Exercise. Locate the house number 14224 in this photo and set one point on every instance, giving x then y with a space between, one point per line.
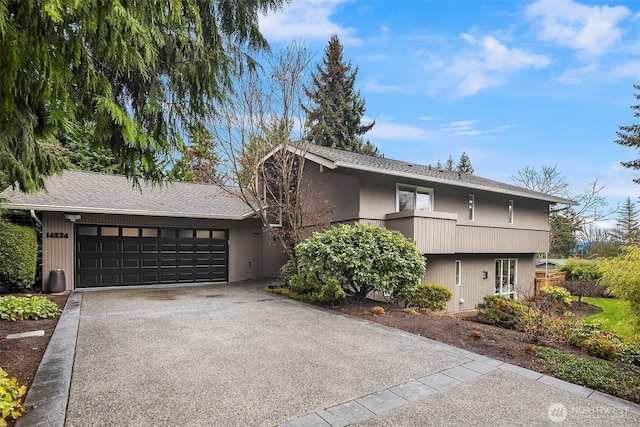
58 235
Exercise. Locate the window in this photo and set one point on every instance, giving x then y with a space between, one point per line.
149 232
458 273
506 277
110 231
273 200
414 198
87 231
130 232
202 234
510 211
471 206
185 234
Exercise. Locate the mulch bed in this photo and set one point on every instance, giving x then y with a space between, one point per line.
465 331
21 356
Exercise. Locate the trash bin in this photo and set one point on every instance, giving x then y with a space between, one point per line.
57 282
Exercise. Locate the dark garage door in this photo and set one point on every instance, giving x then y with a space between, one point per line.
120 256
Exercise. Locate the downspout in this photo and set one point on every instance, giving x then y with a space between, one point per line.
35 217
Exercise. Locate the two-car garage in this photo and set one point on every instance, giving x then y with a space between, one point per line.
108 255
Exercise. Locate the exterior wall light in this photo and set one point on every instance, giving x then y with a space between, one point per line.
485 274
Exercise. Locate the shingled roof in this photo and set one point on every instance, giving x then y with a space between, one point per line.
90 192
334 158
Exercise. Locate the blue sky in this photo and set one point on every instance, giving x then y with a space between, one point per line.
511 83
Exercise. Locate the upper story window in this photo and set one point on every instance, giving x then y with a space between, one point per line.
510 211
273 200
471 207
414 198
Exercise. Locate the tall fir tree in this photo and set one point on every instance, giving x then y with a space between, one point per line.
140 72
464 164
627 228
335 118
450 164
630 136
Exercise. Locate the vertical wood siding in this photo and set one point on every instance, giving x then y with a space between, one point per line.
475 239
57 252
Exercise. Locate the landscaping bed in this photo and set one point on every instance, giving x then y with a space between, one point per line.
21 356
464 331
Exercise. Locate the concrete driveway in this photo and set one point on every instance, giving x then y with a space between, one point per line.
232 355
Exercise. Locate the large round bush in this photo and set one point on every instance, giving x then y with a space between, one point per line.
363 258
18 255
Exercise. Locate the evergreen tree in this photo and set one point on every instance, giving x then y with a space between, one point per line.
199 161
464 164
630 136
140 72
336 115
627 228
450 164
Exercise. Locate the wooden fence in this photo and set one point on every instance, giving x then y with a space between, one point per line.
549 279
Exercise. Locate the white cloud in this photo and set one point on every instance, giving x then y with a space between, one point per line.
309 20
591 30
389 130
578 75
629 69
491 64
468 128
372 86
374 57
426 118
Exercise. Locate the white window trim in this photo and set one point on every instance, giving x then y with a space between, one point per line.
510 211
458 273
279 223
472 207
512 294
415 188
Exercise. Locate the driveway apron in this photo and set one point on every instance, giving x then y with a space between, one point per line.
233 355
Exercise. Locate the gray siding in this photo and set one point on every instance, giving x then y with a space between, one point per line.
473 287
57 253
60 253
475 239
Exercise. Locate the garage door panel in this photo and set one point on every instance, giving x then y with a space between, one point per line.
109 247
130 279
150 248
130 263
109 264
116 256
130 248
168 248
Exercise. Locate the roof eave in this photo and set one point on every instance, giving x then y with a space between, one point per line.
106 211
544 197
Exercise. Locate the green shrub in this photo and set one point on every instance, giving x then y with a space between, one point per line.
628 353
596 374
503 312
553 299
18 255
286 271
325 290
431 296
10 398
363 258
23 308
600 346
582 270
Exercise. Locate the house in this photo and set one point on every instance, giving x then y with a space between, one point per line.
102 231
479 236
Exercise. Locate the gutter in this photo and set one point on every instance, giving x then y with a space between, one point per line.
35 217
463 184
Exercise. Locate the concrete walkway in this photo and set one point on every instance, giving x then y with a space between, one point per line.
232 355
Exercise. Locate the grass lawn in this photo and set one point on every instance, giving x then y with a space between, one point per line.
615 315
